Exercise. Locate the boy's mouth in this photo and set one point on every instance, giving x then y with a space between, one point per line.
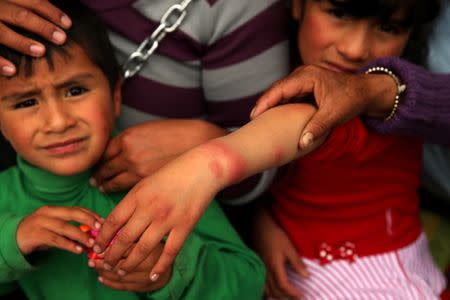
66 147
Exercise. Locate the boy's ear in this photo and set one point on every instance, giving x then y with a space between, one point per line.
296 9
117 97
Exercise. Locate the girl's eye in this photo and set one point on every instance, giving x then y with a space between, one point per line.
337 12
390 28
75 91
26 103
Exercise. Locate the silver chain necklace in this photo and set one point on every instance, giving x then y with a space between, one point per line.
139 57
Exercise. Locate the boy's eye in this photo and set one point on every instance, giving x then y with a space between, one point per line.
75 91
25 104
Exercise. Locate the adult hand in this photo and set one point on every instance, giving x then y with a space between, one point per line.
275 249
49 227
141 150
38 16
136 280
339 97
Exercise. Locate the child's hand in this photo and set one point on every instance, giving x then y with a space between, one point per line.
275 249
137 280
49 227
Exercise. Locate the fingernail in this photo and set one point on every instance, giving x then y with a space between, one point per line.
97 249
101 189
107 267
252 113
78 248
97 225
93 182
37 50
8 70
59 37
307 139
91 263
65 21
154 277
91 242
121 272
100 278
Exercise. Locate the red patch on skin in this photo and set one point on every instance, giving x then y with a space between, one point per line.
278 156
221 154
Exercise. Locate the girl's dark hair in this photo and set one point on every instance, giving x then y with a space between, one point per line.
87 31
419 15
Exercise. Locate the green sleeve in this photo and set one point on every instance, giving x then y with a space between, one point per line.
214 264
12 262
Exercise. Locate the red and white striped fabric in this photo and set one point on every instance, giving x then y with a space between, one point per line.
405 274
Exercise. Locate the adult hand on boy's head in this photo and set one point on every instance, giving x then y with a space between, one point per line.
141 150
38 16
339 97
136 280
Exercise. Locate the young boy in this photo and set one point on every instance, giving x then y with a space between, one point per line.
58 113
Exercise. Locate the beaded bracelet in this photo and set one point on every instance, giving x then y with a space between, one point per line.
400 87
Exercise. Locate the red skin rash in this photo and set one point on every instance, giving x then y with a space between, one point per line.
236 168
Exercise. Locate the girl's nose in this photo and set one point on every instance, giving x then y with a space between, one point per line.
354 44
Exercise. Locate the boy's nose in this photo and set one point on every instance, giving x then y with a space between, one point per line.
57 118
354 44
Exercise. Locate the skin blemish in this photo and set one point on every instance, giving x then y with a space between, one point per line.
226 164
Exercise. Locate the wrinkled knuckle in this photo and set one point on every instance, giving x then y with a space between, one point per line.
124 238
21 15
112 220
143 248
171 252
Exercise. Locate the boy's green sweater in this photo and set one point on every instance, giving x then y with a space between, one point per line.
213 264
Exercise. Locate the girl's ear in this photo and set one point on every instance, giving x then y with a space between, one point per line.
296 9
117 97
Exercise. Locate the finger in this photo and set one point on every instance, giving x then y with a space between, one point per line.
127 236
93 213
117 285
77 214
48 11
121 182
69 231
20 43
110 168
114 221
26 16
113 149
274 292
297 264
319 124
285 89
281 281
144 247
6 67
57 241
172 247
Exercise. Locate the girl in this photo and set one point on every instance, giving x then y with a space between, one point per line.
350 209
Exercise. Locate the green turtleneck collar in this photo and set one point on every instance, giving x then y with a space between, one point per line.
51 187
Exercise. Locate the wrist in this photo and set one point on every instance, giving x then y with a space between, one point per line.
383 90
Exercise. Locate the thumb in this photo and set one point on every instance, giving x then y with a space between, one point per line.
318 126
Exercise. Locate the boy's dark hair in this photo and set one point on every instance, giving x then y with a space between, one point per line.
419 15
87 31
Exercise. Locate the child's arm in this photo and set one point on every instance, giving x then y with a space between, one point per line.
173 199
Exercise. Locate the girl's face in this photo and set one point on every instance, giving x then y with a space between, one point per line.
331 39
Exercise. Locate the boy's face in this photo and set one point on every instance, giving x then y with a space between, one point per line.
59 120
338 42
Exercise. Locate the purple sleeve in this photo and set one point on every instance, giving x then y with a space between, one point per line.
424 111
